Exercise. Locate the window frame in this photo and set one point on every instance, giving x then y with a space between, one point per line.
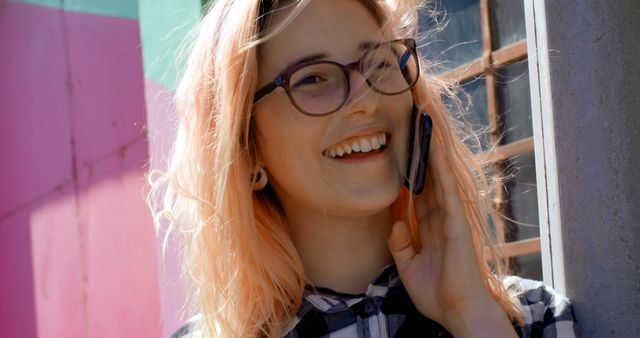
544 146
541 143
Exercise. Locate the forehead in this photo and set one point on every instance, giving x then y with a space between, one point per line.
333 27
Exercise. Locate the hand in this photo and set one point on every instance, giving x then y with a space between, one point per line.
443 279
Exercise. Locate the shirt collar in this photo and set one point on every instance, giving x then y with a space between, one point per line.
328 300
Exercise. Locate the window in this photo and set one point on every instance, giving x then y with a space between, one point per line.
483 47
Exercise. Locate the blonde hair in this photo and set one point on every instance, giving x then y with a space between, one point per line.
238 260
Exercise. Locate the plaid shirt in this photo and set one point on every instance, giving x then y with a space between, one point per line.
386 310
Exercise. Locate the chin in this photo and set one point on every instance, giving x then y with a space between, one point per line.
371 201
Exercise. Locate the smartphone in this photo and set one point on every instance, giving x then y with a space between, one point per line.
425 126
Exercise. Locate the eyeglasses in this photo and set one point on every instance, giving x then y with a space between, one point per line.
322 87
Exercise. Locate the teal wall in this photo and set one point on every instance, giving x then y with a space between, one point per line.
117 8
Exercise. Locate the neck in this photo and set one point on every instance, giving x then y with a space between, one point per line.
340 253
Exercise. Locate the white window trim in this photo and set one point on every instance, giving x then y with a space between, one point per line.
544 146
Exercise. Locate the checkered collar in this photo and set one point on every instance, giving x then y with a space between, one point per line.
329 301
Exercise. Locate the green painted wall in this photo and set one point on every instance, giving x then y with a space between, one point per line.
117 8
164 24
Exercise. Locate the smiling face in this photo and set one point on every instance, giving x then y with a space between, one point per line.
349 163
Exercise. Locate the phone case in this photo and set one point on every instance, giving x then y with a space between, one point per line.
426 125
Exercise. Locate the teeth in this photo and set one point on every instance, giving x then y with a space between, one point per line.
356 146
347 148
363 144
375 143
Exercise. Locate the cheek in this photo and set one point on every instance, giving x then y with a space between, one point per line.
288 157
284 144
271 142
402 111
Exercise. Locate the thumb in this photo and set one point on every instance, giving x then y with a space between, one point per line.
400 244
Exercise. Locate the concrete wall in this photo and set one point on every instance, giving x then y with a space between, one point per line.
594 59
77 249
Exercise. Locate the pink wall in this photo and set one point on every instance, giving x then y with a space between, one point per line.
77 248
161 121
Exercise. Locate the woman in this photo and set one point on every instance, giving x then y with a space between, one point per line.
287 184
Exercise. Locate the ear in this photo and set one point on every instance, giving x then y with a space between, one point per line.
259 178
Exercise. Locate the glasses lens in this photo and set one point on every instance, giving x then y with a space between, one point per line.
318 89
391 68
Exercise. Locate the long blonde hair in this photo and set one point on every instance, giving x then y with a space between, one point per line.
242 269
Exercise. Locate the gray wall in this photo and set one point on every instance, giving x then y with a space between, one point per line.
594 49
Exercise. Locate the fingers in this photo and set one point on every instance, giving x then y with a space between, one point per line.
436 155
445 185
400 244
447 196
432 196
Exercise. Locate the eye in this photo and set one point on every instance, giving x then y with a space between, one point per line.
380 60
379 67
307 80
382 64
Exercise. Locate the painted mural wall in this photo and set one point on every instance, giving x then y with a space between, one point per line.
78 253
86 90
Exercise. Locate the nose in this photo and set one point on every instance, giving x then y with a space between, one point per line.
361 97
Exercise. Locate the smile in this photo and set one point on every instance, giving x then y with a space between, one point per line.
361 144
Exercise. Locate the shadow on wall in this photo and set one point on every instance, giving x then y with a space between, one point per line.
77 248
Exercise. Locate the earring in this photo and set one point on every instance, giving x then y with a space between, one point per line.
259 179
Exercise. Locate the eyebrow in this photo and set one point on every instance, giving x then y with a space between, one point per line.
306 59
368 45
315 57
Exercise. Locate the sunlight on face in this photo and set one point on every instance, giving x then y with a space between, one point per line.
301 153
